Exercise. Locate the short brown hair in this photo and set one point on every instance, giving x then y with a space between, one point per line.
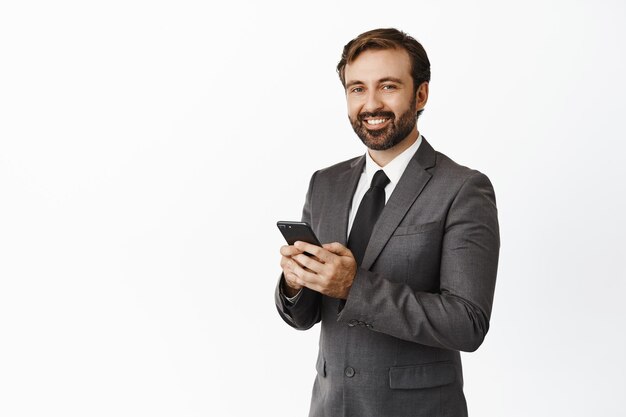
387 39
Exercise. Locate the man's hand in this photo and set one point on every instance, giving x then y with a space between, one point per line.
329 271
287 264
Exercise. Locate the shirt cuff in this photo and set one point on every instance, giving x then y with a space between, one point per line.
290 300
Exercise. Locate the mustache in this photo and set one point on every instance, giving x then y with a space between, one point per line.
378 114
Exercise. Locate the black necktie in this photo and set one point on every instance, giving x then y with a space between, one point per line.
366 216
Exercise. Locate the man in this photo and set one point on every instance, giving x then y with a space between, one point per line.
408 277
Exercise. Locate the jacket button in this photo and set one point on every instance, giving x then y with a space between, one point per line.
349 372
353 323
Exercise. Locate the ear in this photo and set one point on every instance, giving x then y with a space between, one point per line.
421 96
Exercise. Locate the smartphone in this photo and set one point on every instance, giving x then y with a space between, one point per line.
301 231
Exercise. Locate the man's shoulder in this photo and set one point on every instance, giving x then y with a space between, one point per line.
453 175
449 167
340 167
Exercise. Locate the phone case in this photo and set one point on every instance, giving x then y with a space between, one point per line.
293 231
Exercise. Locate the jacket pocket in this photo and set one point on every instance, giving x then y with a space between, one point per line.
416 228
429 375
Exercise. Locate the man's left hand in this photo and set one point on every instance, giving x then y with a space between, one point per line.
329 271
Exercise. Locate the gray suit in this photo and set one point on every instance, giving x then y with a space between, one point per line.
422 294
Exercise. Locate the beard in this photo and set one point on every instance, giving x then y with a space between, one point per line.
394 133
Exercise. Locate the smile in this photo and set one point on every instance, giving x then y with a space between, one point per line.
376 121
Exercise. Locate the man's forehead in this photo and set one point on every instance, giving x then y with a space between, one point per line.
378 64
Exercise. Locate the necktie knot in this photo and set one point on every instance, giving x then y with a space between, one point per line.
380 180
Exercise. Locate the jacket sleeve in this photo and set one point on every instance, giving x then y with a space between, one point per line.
457 316
306 310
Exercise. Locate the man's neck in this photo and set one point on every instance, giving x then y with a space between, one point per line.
382 158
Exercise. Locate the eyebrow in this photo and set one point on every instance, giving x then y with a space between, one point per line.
382 80
392 79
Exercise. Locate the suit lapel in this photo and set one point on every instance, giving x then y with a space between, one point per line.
409 187
344 186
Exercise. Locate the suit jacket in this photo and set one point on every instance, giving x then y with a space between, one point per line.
423 292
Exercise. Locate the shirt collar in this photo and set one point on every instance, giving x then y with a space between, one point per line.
396 167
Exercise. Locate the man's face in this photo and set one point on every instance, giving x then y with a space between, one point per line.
382 104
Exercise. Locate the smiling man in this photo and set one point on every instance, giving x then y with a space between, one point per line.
406 275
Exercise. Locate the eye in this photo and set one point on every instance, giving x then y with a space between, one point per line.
389 87
356 90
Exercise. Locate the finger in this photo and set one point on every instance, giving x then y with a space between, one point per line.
287 264
292 280
284 263
289 250
292 261
338 249
317 251
303 277
309 262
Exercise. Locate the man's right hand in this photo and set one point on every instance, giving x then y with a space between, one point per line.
287 264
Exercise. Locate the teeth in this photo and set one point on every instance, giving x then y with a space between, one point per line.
376 121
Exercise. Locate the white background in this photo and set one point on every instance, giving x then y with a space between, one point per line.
147 149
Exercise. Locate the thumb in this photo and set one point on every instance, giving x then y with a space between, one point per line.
337 248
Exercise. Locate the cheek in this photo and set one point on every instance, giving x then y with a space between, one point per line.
353 109
400 105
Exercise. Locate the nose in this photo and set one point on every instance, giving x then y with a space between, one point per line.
372 102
